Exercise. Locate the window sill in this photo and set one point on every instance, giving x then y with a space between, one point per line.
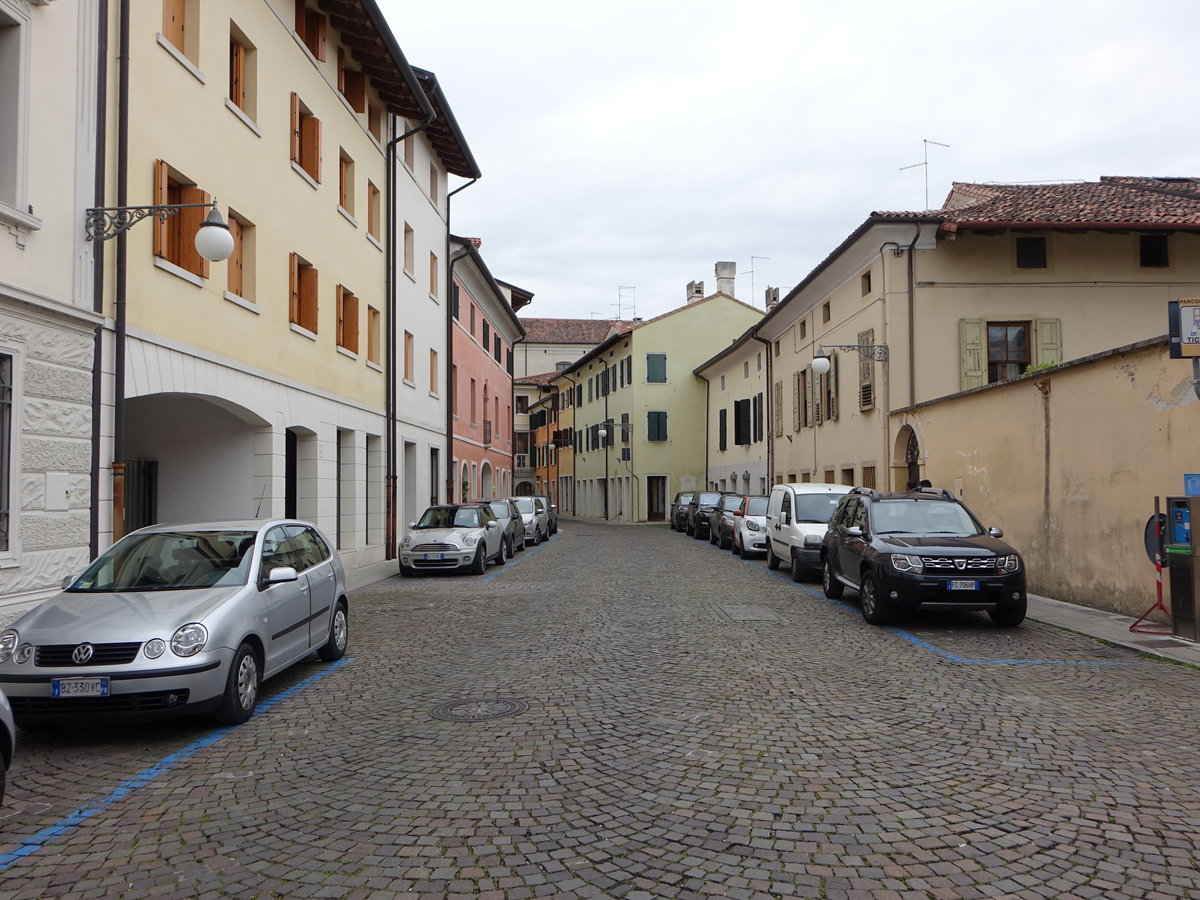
181 58
304 332
435 395
347 215
371 239
190 277
350 354
243 303
408 382
243 117
434 297
371 364
19 223
411 276
299 170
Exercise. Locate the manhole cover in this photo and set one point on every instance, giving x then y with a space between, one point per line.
478 709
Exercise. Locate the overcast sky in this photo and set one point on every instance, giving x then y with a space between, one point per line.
634 143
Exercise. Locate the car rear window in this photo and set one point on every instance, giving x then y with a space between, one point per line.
757 506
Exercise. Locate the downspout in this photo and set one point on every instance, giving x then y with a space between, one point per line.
770 412
887 376
390 479
98 275
451 399
707 396
119 335
573 415
912 311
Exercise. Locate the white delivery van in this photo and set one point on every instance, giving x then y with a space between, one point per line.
797 515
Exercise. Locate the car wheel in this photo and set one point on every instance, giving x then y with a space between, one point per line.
1009 616
339 634
736 547
873 609
712 535
501 559
407 571
798 570
241 688
479 563
832 587
773 561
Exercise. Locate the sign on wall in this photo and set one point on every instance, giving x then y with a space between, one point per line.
1183 326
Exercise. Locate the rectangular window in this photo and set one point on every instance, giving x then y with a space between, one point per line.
409 353
472 320
487 335
826 313
497 348
741 422
433 275
310 28
848 476
1153 250
372 210
1007 349
868 477
374 334
656 425
240 265
757 414
866 283
242 75
6 440
174 238
375 120
302 303
306 139
346 182
352 84
433 372
347 319
473 401
656 368
1031 253
410 253
804 329
434 181
722 428
522 403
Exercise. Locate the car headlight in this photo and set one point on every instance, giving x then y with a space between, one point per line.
752 526
904 563
155 648
471 539
189 640
24 653
1006 565
407 542
812 541
8 643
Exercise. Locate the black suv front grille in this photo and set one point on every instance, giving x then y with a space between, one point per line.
58 655
984 564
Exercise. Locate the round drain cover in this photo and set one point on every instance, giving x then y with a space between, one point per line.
478 709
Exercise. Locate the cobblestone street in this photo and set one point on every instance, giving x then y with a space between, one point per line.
648 717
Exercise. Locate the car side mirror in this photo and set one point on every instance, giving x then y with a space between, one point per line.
785 518
281 574
493 525
68 581
996 532
412 524
854 531
553 507
738 513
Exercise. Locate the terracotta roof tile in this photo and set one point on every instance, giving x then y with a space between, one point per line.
571 331
542 380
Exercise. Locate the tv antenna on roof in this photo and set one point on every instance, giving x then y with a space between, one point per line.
621 304
752 259
925 164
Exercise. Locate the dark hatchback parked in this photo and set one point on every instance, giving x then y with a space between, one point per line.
920 550
678 515
721 523
699 512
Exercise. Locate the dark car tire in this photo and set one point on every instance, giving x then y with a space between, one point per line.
339 634
773 561
735 547
241 688
831 586
479 563
1009 616
873 608
712 535
407 572
799 573
501 558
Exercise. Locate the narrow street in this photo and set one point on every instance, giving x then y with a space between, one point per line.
626 712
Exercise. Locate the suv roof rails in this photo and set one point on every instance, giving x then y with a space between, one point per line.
869 492
941 493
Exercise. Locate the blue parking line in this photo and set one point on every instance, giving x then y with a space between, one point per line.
513 561
67 823
946 654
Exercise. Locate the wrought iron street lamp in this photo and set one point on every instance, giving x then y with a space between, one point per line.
821 365
213 239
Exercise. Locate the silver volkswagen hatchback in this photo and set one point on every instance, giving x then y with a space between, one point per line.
176 620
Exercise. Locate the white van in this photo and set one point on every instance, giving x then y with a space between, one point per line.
797 515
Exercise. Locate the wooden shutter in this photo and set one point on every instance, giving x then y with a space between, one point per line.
832 384
341 321
161 190
295 127
971 351
815 393
866 371
237 73
356 90
294 289
722 428
190 220
301 18
236 284
796 401
310 146
308 298
173 23
1049 341
779 409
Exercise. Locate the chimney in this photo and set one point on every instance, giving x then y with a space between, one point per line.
695 291
726 275
772 298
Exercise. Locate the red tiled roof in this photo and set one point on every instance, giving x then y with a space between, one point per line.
542 380
1111 201
571 331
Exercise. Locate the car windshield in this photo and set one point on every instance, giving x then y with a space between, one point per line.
757 506
524 505
816 507
707 499
450 517
170 561
731 502
922 517
685 499
500 508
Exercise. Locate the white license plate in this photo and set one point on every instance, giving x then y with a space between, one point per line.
79 687
435 555
964 585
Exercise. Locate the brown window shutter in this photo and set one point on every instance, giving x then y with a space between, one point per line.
295 127
173 22
310 146
190 220
350 314
308 298
341 70
301 18
315 34
294 289
234 263
356 91
341 316
160 197
237 73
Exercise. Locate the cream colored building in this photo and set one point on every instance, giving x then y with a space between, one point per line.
1056 280
48 315
736 412
255 386
640 432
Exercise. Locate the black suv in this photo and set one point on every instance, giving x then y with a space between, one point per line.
699 512
923 549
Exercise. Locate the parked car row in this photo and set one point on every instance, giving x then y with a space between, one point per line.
921 549
468 536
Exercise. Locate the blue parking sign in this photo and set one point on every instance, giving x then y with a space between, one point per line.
1191 485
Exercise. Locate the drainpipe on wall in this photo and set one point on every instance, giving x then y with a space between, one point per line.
98 275
770 412
390 479
450 386
912 328
118 458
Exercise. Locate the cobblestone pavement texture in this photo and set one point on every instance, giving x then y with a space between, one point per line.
696 726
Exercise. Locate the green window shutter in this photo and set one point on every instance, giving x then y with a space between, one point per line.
656 368
795 401
812 411
971 352
833 386
1049 341
779 409
818 395
866 371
